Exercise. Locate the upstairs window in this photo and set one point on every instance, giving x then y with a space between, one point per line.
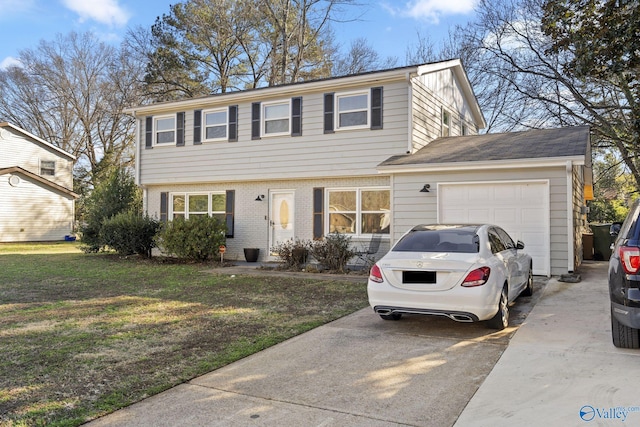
352 110
165 129
215 125
446 122
276 118
47 168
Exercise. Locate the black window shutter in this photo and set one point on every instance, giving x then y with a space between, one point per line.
148 132
318 213
180 129
229 212
296 116
197 127
328 113
255 120
376 108
164 203
233 123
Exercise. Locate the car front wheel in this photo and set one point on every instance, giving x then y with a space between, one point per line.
623 335
501 320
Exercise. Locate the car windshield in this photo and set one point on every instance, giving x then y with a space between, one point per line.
448 240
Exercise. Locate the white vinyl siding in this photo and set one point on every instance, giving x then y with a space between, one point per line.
314 154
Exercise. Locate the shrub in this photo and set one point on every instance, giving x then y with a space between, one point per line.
334 251
197 238
292 253
130 233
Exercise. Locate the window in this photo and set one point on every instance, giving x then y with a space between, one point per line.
359 211
276 118
47 168
352 110
464 130
446 121
215 125
186 205
496 243
165 129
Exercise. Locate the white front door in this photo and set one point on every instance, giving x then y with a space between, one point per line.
281 221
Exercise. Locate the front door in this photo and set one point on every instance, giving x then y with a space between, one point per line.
281 219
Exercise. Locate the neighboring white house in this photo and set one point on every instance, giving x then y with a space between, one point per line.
306 159
36 181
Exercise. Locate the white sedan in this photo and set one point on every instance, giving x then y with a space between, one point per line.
468 273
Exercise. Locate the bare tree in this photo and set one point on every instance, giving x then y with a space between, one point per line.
360 58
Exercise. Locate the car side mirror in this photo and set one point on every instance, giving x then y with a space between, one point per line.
520 245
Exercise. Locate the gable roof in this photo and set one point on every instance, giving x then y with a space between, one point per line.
569 143
37 140
33 176
329 83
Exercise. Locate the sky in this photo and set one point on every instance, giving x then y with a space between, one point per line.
390 26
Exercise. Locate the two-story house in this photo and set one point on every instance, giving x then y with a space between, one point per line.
36 182
306 159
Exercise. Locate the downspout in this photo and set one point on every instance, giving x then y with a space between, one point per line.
410 110
570 231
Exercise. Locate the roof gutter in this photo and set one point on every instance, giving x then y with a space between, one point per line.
483 165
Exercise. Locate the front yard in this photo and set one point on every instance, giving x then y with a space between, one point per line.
83 335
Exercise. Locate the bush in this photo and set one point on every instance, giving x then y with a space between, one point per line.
292 254
130 233
197 238
334 251
118 193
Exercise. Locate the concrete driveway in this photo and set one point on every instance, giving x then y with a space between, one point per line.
357 371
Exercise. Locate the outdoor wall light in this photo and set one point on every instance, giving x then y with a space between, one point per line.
260 198
425 188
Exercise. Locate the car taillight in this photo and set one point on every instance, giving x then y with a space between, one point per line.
630 259
376 275
477 277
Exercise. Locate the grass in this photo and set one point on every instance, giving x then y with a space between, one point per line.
84 335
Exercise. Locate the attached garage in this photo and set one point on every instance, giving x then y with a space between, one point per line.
530 183
521 208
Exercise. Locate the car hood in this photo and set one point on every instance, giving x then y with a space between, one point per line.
414 270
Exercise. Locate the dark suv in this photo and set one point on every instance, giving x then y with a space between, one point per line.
624 282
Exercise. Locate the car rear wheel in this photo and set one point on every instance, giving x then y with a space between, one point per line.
528 290
501 320
623 335
392 316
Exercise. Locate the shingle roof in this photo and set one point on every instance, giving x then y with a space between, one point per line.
542 143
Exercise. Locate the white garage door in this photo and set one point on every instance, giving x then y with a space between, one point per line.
521 208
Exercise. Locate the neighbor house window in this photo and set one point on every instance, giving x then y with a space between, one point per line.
352 110
47 168
193 204
359 211
276 118
215 124
446 122
165 129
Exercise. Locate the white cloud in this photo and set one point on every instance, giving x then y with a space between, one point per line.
104 11
432 10
9 61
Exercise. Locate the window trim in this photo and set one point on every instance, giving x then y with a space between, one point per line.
203 125
186 195
445 114
337 112
263 118
358 212
52 168
175 130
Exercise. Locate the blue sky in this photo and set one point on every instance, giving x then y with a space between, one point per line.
389 25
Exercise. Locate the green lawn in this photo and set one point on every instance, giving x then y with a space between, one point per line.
83 335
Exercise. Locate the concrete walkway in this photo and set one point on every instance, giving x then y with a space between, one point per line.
559 369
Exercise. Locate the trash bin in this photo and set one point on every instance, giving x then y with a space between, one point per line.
601 241
587 246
